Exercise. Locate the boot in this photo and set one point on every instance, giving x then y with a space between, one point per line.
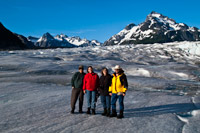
88 111
105 112
114 113
80 111
121 114
72 111
108 112
93 112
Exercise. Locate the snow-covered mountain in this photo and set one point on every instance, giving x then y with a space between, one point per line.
78 41
47 41
157 28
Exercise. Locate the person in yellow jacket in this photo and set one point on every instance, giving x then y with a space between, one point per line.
117 90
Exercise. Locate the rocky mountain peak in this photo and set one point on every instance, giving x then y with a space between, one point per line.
61 36
47 36
157 28
130 26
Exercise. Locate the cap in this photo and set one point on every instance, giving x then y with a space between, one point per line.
81 67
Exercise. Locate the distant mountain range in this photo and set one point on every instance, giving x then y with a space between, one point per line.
10 40
157 28
48 41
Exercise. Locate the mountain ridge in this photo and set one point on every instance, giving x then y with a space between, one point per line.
9 40
156 28
62 40
14 41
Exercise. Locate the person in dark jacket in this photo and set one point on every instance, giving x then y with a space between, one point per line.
77 89
90 85
104 83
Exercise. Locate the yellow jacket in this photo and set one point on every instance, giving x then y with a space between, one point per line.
119 84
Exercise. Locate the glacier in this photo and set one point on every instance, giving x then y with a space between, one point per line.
163 94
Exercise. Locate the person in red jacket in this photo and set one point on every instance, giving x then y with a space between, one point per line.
90 85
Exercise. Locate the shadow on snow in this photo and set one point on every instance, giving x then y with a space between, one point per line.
161 109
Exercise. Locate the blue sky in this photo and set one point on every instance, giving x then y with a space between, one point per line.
91 19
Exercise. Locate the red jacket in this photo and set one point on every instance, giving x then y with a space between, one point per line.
91 82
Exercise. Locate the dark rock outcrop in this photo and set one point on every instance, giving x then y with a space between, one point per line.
9 40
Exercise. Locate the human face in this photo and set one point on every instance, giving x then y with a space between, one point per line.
89 70
104 72
116 71
81 70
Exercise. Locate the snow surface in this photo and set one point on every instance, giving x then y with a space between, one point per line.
163 93
191 48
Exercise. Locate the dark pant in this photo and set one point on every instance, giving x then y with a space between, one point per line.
105 100
91 96
76 92
114 100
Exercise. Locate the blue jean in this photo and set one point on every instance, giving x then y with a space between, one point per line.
105 100
114 100
91 95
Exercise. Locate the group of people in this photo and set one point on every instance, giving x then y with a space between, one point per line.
110 88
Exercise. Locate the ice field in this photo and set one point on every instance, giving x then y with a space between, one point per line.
163 94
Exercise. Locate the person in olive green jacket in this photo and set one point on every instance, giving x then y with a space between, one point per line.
77 89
